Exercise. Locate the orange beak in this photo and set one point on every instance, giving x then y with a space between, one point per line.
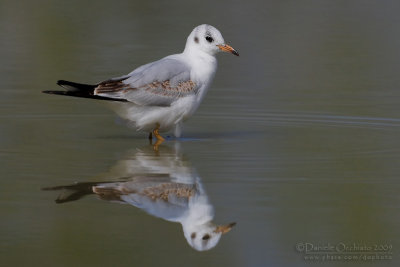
228 48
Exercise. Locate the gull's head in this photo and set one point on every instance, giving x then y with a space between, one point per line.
205 236
207 39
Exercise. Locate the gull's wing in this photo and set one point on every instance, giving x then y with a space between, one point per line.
156 195
155 84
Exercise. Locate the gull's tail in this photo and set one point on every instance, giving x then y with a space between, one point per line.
72 192
79 90
77 191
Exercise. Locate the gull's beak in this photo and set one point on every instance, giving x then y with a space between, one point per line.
223 229
228 48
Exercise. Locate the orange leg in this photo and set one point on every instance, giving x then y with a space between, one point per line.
160 139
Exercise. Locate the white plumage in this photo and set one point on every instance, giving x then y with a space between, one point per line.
163 185
160 95
189 75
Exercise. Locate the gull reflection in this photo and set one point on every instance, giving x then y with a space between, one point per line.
163 184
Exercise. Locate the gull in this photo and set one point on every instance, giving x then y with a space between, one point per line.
163 184
159 96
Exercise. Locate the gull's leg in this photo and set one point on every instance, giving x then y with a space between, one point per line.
160 139
156 134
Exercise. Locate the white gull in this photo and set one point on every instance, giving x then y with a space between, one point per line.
160 95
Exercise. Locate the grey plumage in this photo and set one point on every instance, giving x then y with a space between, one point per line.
155 84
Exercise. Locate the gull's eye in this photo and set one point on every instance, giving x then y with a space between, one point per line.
209 39
206 237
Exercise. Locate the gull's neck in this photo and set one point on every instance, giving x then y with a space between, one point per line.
203 68
197 56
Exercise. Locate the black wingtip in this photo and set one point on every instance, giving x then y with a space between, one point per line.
82 95
79 90
54 92
62 82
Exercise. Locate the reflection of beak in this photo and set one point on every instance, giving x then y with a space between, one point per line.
223 229
228 48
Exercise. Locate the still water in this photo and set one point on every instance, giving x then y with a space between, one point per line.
297 141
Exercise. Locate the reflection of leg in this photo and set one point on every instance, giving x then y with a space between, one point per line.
157 135
150 135
160 139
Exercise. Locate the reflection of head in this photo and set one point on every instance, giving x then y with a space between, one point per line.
206 236
164 185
